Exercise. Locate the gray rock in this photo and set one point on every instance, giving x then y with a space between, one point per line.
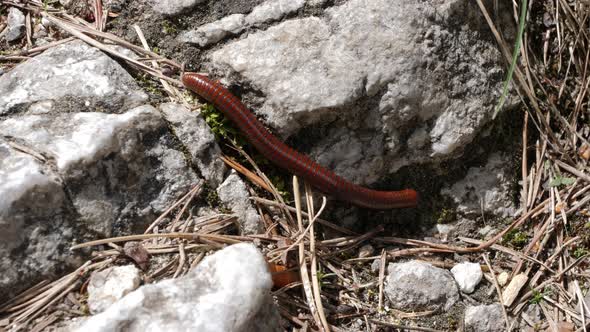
416 285
71 76
408 54
227 291
487 187
46 23
376 265
173 7
273 10
103 160
234 194
487 231
15 24
197 138
34 220
119 172
215 31
534 318
291 55
109 285
444 231
468 275
484 318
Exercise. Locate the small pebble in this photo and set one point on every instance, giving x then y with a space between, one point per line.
503 278
366 251
47 23
468 275
15 24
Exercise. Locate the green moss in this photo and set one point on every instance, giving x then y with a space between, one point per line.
151 86
579 252
168 27
453 323
281 187
221 126
446 216
538 295
516 238
321 278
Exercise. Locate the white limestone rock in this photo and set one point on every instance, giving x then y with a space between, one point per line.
15 24
468 275
33 217
272 10
111 284
320 71
103 173
228 291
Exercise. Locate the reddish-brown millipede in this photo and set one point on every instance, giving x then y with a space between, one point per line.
285 157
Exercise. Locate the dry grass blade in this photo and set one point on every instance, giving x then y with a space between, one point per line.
382 264
307 230
315 282
225 239
307 289
76 31
191 193
498 290
247 173
403 327
292 209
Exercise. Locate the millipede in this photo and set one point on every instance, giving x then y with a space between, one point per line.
284 156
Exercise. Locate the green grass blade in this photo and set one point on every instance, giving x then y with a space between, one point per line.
521 24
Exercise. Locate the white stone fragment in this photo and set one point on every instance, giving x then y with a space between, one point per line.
509 294
228 291
503 278
15 24
109 285
467 275
213 32
366 251
91 136
272 10
173 7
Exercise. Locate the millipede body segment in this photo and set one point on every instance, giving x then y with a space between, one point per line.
284 156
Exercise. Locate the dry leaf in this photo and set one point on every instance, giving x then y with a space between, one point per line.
137 253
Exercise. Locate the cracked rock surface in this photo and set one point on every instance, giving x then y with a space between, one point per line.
323 70
71 75
68 173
